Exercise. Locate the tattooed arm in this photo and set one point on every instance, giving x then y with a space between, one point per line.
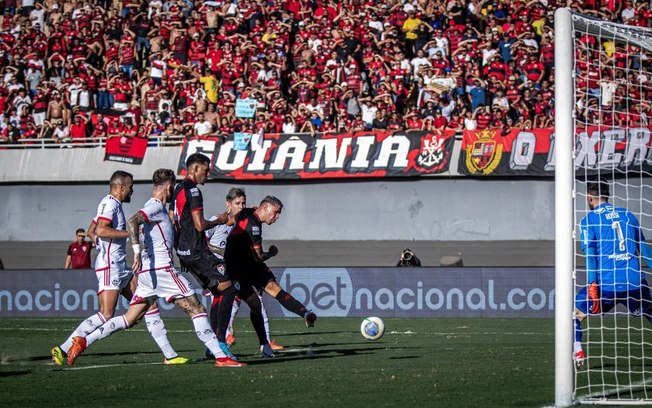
133 229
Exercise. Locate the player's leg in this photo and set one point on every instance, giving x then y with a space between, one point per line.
107 301
144 289
113 325
288 301
582 307
273 344
197 313
250 296
230 337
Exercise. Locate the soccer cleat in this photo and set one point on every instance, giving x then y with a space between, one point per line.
230 340
310 318
78 347
266 351
275 346
579 358
57 355
176 361
228 362
227 351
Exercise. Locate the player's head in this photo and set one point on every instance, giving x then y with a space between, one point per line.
197 166
163 181
236 200
597 193
121 185
80 234
269 210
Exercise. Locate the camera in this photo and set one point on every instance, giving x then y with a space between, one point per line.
408 259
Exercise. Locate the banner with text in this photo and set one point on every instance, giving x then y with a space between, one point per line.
339 155
385 292
494 152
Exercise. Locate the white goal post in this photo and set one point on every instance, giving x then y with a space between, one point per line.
602 133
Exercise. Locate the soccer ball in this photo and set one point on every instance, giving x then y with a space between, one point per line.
372 328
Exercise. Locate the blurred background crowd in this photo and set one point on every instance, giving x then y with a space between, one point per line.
90 69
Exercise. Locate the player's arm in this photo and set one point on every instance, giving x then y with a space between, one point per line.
262 256
90 232
589 248
133 229
68 262
103 229
201 224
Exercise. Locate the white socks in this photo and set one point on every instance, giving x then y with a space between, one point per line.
206 334
88 326
156 328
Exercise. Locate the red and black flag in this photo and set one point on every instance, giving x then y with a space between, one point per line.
126 149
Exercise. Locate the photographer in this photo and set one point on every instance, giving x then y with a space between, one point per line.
408 259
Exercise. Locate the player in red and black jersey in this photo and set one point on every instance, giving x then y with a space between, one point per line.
187 211
245 260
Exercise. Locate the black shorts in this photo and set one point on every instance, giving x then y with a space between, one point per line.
251 276
208 270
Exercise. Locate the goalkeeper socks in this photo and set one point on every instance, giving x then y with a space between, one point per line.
113 325
212 314
207 335
156 328
89 325
224 311
578 330
290 303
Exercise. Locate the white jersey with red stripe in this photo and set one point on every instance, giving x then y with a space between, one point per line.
111 252
157 236
217 235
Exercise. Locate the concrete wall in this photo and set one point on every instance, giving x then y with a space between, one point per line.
424 209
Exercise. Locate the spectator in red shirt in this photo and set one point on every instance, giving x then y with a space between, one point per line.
79 252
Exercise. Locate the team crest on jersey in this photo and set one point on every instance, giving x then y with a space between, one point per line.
483 156
433 153
194 192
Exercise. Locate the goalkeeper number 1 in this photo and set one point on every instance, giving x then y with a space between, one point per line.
612 240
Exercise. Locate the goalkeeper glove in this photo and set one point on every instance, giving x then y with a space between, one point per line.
594 295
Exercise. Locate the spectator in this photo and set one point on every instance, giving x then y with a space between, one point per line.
79 252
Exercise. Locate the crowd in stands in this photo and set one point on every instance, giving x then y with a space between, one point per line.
92 69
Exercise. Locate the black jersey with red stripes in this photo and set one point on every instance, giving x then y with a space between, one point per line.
186 199
247 232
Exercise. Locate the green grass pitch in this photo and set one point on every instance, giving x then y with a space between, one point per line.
419 362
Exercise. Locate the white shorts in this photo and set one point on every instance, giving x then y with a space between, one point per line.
112 279
164 283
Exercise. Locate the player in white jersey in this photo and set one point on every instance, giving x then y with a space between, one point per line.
108 230
157 277
236 200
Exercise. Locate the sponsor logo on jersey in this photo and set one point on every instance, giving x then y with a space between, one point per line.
183 253
255 230
194 192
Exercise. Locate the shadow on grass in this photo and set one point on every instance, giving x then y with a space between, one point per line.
14 373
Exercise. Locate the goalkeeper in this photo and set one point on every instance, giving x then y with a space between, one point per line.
612 240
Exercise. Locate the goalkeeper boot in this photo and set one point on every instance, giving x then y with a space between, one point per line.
578 357
58 355
78 347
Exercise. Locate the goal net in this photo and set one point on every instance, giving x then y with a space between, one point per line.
603 94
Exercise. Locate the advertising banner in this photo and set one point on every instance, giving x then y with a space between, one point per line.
385 292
